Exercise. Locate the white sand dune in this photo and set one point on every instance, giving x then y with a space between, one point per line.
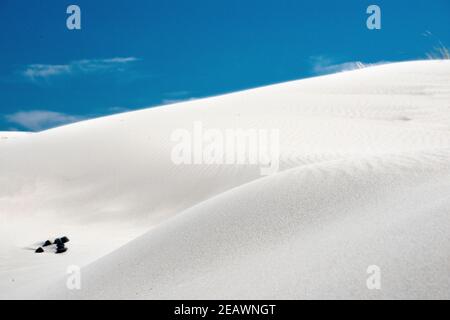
7 135
364 180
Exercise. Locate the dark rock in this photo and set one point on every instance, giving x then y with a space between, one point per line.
47 243
64 239
39 250
60 245
61 250
57 241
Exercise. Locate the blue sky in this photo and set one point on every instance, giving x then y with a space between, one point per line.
135 54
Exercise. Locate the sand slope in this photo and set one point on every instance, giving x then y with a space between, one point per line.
364 180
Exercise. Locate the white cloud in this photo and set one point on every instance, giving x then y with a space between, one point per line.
177 96
324 65
118 109
120 60
172 101
45 71
37 120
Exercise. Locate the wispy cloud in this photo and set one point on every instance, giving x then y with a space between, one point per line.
172 101
324 65
37 120
46 71
43 71
177 96
117 109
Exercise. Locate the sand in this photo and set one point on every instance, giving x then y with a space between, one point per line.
364 179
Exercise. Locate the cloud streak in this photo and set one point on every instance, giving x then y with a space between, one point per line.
46 71
323 65
37 120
